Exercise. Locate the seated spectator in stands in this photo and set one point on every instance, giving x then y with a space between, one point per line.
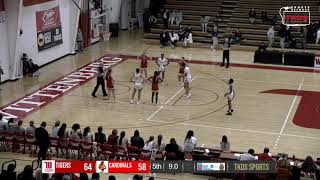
247 156
262 47
282 34
265 155
187 40
264 16
189 142
252 16
99 136
87 136
173 147
84 176
113 137
204 23
274 20
283 162
172 16
152 22
188 29
311 32
214 35
31 129
136 140
95 176
112 177
181 33
308 166
224 144
270 35
165 18
75 132
63 133
26 174
227 33
293 43
55 129
10 173
137 177
179 18
318 36
3 124
123 141
237 36
151 178
11 125
174 38
19 128
150 144
159 145
163 38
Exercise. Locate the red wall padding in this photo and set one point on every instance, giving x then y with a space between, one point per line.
1 5
84 24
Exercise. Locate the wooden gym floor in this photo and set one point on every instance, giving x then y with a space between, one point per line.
260 119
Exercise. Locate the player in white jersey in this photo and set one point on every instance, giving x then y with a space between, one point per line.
230 96
186 79
138 81
162 62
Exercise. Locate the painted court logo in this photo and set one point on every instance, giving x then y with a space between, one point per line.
295 15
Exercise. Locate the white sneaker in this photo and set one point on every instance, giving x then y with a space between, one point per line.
189 95
138 102
131 101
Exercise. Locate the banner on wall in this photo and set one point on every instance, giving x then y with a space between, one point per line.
34 2
2 15
49 31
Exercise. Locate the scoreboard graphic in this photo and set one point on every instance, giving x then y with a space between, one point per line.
295 15
65 166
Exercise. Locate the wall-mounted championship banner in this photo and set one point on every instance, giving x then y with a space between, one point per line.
2 14
49 31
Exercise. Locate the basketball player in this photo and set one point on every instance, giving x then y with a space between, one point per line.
181 70
226 53
138 81
230 96
186 79
155 80
162 62
110 85
144 64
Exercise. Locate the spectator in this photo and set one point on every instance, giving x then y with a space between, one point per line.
228 33
163 38
99 136
152 21
188 29
181 33
146 24
150 144
79 39
247 156
308 166
264 16
137 177
224 144
190 142
204 23
151 178
173 147
19 128
123 141
159 145
293 43
274 20
87 136
84 176
174 38
172 16
282 35
112 177
55 129
31 129
283 162
3 124
10 173
27 173
270 35
63 133
43 141
75 132
237 36
318 36
165 18
262 47
136 140
265 155
179 18
252 16
187 39
113 137
95 176
45 176
214 35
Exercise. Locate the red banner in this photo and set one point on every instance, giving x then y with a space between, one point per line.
49 31
34 2
1 5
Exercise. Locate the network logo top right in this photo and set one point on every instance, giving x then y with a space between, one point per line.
295 15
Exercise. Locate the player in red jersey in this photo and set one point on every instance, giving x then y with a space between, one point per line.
110 84
181 71
155 80
144 64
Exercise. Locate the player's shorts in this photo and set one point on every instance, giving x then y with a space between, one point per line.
162 69
230 97
187 80
138 86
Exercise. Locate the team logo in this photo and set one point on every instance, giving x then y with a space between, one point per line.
48 166
48 16
40 39
101 166
295 15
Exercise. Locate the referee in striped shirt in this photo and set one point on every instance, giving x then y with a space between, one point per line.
226 53
100 82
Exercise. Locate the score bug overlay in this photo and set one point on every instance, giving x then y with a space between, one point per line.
295 15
